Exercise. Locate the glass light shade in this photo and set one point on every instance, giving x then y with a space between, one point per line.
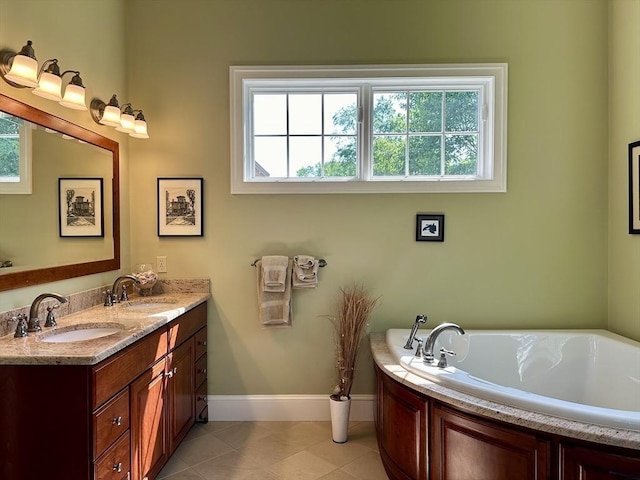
127 123
74 97
111 116
24 71
49 86
140 130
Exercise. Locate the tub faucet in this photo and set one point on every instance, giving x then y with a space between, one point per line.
419 319
114 290
427 354
33 325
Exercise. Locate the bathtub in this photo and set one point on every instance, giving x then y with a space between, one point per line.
591 376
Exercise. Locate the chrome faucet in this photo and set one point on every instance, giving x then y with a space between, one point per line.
33 325
419 319
427 354
112 295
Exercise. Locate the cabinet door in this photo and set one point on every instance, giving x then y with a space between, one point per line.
467 447
148 423
181 388
401 421
577 463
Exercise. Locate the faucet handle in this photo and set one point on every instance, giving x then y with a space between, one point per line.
51 319
21 327
442 363
419 349
108 298
124 296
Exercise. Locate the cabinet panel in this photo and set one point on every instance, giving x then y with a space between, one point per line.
115 462
201 342
148 422
201 370
110 421
466 447
187 325
113 374
577 463
181 387
201 403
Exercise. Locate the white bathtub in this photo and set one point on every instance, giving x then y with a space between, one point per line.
590 376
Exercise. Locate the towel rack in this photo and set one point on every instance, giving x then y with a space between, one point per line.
321 262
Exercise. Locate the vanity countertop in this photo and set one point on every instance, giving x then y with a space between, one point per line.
135 318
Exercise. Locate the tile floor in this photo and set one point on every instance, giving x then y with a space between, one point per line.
275 451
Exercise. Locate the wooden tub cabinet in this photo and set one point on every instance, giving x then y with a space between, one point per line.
421 438
120 419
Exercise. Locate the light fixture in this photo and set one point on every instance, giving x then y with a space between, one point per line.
122 118
140 126
106 114
50 81
74 93
20 69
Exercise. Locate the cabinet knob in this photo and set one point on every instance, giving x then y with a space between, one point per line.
203 343
117 467
117 421
202 370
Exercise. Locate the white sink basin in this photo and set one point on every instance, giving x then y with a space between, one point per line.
80 335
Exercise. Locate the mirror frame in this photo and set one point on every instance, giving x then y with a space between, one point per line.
27 278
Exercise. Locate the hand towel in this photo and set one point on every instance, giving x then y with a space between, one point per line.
274 272
274 307
305 272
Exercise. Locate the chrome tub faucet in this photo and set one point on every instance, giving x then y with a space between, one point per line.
427 353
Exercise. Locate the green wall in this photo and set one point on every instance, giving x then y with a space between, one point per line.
534 257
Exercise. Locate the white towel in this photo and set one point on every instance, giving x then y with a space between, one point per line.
274 307
274 272
305 272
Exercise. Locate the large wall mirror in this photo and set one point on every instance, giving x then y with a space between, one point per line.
34 227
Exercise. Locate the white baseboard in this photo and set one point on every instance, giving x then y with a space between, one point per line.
284 407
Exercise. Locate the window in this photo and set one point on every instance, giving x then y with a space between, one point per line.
418 128
15 154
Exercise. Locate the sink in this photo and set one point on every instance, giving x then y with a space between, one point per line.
80 334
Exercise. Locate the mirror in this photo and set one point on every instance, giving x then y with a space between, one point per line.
30 229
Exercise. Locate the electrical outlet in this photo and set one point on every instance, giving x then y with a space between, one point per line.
161 263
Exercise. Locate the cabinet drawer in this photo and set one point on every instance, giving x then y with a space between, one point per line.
115 463
116 372
110 421
201 370
185 326
201 397
203 416
201 342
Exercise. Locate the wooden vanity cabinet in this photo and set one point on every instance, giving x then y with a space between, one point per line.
118 420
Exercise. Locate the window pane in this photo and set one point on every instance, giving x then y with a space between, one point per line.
340 155
305 114
269 114
389 112
462 111
305 154
271 154
389 155
425 155
9 148
341 113
461 154
425 112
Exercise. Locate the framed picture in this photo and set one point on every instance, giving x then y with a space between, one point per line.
80 207
429 228
180 204
634 187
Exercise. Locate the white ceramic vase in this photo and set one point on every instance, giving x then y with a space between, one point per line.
339 418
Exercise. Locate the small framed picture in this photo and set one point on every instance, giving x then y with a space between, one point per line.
429 228
180 205
80 208
634 187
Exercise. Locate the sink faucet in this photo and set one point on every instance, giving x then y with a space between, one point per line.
427 356
33 325
113 293
419 319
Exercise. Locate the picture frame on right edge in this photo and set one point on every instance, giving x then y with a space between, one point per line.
634 187
429 227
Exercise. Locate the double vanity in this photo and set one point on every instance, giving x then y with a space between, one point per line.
107 394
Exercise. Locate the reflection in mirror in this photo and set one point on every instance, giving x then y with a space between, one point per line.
29 224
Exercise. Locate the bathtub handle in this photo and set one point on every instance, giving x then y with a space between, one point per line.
419 349
442 363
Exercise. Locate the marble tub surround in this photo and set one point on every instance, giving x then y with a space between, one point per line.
541 422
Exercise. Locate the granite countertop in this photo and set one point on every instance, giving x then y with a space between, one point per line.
385 360
135 318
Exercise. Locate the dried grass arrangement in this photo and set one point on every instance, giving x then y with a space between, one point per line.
354 306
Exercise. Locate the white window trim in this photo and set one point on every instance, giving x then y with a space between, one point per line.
496 73
23 186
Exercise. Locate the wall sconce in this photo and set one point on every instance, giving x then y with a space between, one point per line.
21 70
122 118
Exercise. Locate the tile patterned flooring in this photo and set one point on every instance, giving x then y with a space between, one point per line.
275 451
